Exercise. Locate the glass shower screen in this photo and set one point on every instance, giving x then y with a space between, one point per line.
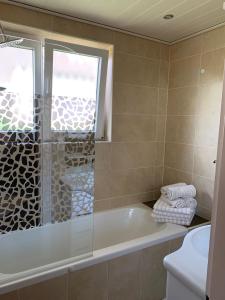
47 149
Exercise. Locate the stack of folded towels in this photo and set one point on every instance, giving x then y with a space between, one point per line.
176 204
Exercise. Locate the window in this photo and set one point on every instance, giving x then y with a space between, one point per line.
75 87
19 78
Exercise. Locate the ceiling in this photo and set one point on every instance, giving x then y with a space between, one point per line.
143 17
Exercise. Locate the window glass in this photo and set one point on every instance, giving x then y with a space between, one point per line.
17 77
74 91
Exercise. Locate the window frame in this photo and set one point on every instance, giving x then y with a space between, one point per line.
51 45
35 46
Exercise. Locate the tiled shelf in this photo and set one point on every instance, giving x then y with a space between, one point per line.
197 220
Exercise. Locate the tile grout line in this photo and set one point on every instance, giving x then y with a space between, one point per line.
153 59
195 129
200 53
139 85
167 104
185 57
127 195
192 144
190 173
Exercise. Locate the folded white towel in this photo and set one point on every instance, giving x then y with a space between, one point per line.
165 188
155 215
162 207
180 202
180 221
182 191
173 215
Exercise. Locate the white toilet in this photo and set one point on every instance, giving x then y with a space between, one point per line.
187 267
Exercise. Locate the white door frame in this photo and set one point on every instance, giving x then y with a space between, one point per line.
216 265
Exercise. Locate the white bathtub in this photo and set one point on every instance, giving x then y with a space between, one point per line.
34 255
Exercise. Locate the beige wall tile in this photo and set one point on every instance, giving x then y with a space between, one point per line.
9 296
101 205
124 277
157 194
89 283
160 153
207 130
190 47
116 202
22 16
96 33
158 178
165 52
133 128
164 74
184 72
153 273
131 199
66 26
201 103
162 102
179 156
180 129
172 176
135 70
183 101
204 213
210 98
161 128
147 48
125 43
129 98
133 155
213 66
214 39
176 244
103 188
122 182
50 289
205 190
203 161
102 155
132 181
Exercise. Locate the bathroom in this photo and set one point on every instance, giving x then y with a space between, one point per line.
118 100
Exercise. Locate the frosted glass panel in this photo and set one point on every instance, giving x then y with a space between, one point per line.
46 184
74 90
16 100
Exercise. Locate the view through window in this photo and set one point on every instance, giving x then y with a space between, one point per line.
77 76
17 77
74 91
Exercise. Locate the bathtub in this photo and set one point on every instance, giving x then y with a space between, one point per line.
38 254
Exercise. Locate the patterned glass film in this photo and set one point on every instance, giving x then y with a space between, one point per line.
20 137
16 100
47 143
74 91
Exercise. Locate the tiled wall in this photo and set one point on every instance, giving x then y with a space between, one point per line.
136 276
130 168
194 100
